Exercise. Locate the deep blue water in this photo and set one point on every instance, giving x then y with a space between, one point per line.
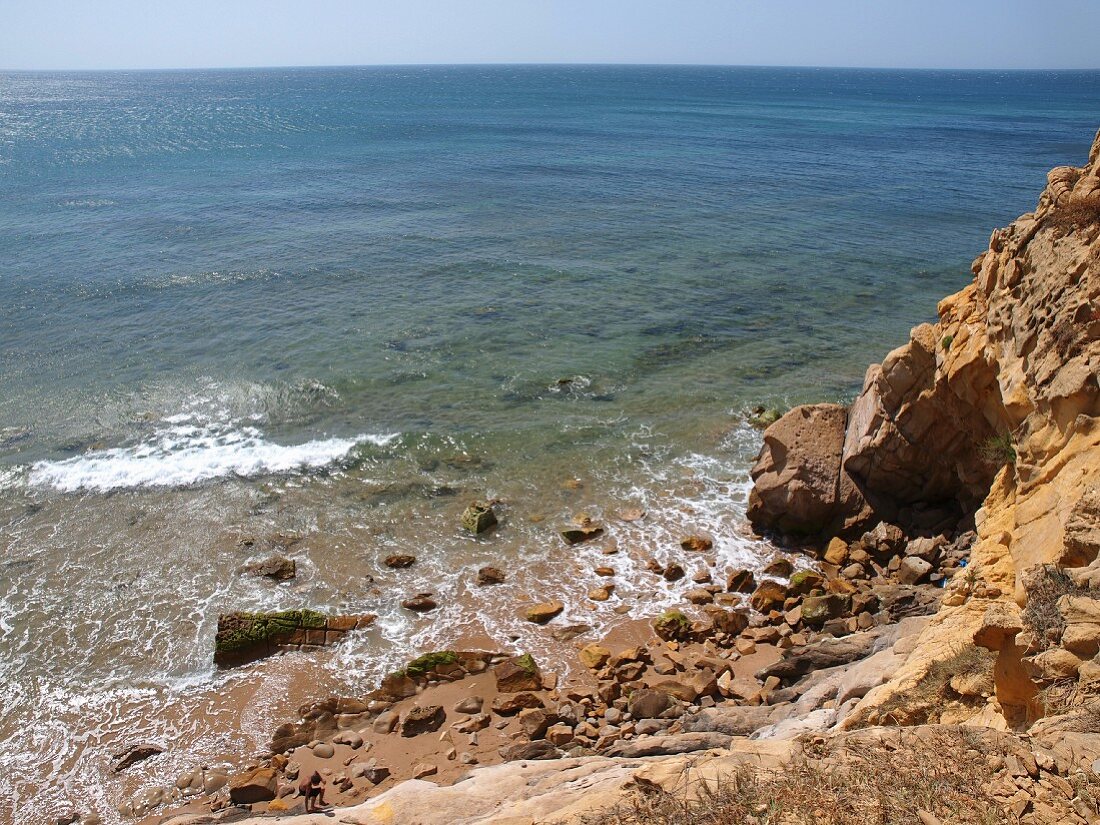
435 246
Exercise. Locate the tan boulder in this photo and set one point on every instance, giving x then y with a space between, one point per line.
594 656
1053 664
543 612
837 551
258 785
1079 609
769 595
798 483
1082 639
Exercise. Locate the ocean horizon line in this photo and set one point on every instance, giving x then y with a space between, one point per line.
554 64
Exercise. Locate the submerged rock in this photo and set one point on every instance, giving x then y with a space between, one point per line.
490 575
576 535
279 568
132 755
479 517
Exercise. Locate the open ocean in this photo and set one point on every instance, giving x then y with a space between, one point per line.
319 310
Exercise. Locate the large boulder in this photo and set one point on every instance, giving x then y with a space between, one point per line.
259 785
517 675
799 485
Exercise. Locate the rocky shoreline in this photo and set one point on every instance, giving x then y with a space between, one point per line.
945 608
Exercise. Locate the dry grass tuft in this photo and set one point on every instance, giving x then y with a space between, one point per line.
1074 214
926 700
1041 616
944 774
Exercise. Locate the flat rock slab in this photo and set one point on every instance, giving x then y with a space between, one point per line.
670 745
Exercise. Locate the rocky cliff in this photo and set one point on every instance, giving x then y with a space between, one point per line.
990 416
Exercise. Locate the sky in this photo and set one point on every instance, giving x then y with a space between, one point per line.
964 34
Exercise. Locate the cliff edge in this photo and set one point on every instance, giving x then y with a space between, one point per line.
987 418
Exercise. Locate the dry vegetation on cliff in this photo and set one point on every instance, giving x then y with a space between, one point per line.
880 783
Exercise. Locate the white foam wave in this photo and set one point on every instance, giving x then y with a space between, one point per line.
183 455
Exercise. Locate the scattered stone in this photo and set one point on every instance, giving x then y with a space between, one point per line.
376 775
132 755
674 572
543 612
490 575
569 632
606 572
601 594
594 656
698 544
422 769
768 596
420 603
779 566
912 569
470 705
279 568
672 625
805 581
649 704
479 517
741 581
418 720
536 721
245 637
632 514
323 750
816 610
386 722
559 734
539 749
576 535
837 551
400 561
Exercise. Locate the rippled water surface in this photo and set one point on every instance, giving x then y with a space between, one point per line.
318 311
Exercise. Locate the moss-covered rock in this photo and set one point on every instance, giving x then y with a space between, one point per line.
672 625
479 517
425 664
816 610
243 637
241 630
806 580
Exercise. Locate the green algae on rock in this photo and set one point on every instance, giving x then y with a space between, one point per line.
245 637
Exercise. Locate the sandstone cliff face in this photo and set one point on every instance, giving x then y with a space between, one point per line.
993 411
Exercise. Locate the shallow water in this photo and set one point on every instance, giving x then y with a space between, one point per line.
319 311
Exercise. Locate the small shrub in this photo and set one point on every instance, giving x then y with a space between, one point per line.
1074 214
1041 616
998 450
946 342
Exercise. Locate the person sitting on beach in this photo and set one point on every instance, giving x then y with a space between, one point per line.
313 789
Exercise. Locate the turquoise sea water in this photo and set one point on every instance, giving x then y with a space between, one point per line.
318 310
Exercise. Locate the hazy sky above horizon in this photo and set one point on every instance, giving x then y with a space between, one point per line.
968 34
